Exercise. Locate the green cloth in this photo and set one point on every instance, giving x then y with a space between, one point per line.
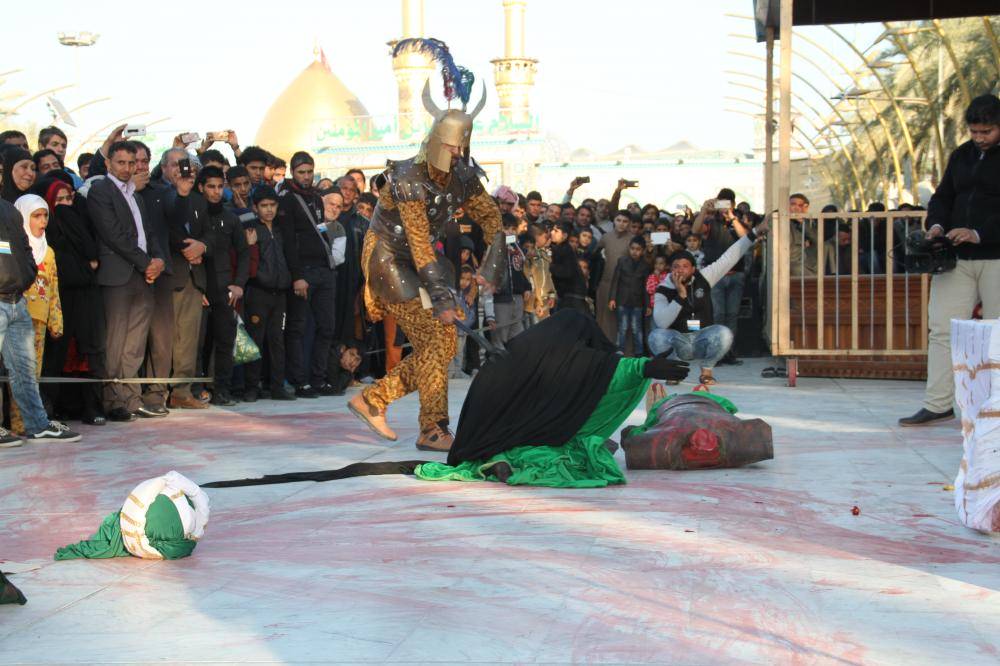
163 529
582 462
652 418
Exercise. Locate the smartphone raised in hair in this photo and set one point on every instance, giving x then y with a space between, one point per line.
133 130
184 164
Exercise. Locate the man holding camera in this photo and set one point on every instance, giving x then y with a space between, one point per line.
683 311
965 209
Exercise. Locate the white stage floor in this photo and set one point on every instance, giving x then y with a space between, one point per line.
765 564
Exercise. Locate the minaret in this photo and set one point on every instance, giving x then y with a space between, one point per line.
514 73
411 70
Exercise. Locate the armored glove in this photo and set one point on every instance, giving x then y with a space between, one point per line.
434 280
661 367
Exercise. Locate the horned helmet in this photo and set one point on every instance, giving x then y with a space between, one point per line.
452 127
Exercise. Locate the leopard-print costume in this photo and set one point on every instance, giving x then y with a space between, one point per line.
425 370
434 343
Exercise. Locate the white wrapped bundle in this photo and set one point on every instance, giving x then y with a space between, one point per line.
975 353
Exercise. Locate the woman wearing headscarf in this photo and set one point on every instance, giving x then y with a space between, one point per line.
18 173
42 296
70 235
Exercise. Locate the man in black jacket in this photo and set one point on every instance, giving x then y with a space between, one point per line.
508 301
190 245
682 307
965 208
310 262
17 334
266 295
571 285
224 284
130 262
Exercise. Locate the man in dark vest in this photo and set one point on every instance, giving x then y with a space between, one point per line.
682 307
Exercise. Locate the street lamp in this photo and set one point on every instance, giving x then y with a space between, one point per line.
78 39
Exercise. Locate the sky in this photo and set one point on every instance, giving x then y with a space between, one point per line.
609 74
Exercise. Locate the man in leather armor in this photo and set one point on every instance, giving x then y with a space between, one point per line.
407 278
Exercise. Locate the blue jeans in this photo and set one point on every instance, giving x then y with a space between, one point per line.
630 317
706 346
17 344
727 294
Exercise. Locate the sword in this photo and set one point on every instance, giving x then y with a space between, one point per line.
492 351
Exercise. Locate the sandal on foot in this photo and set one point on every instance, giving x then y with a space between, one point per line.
707 380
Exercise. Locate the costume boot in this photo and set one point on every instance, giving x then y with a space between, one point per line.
435 438
371 417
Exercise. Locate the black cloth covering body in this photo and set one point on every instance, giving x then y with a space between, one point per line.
542 392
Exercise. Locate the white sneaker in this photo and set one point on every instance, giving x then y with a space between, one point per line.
55 432
9 440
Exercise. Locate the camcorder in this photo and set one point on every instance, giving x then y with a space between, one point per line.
929 255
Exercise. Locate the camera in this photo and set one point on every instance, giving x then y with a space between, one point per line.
929 255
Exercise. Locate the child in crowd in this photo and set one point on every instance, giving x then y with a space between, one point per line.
660 271
468 293
42 297
628 294
693 245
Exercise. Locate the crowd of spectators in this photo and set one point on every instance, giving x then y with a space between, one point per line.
152 266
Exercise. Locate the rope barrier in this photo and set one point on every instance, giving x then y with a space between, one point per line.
128 380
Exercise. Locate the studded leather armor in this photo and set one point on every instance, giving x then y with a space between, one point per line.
410 217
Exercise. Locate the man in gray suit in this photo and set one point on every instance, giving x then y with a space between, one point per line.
130 261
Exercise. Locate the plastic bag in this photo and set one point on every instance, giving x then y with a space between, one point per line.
245 350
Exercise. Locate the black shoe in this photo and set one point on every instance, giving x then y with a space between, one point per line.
925 417
222 399
305 391
94 420
250 395
57 432
154 412
121 415
282 394
9 440
329 389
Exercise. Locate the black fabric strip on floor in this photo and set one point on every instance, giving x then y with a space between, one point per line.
357 469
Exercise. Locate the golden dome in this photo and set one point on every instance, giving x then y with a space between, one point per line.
315 100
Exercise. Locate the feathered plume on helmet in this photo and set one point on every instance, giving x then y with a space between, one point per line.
457 79
452 127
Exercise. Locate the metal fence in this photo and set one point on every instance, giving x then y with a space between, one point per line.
839 287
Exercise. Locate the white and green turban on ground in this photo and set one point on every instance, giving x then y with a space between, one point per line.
162 519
